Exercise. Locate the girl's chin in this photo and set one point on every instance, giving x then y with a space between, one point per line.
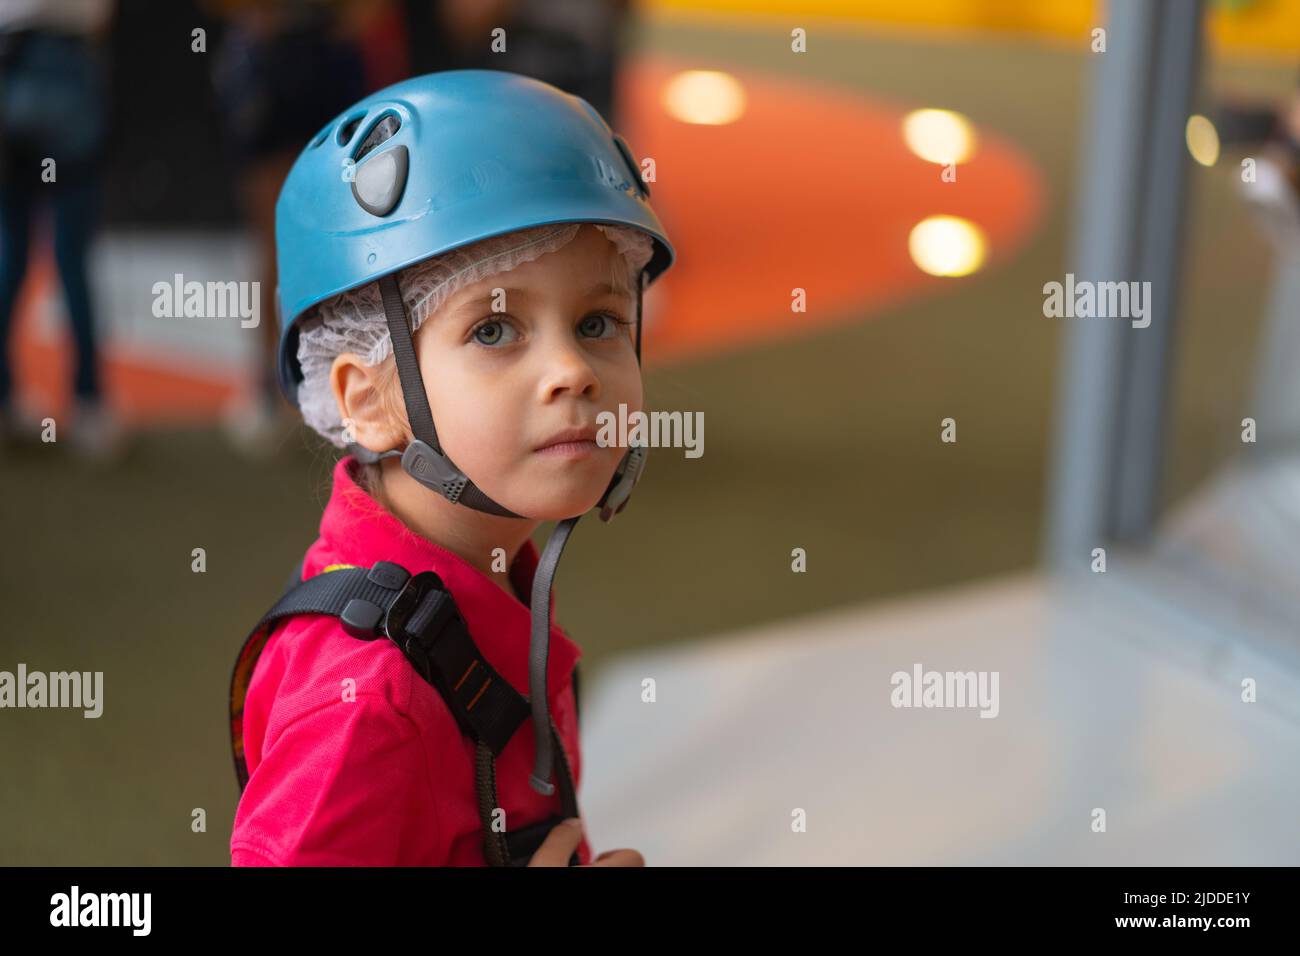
557 490
558 507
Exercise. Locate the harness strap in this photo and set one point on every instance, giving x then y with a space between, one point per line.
326 593
517 847
419 615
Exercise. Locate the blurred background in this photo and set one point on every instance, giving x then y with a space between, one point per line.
1165 149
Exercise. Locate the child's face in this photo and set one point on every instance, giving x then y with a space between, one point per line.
502 384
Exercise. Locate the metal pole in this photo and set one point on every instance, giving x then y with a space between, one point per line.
1141 423
1104 248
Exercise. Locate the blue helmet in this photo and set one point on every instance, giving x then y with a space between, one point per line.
442 161
424 167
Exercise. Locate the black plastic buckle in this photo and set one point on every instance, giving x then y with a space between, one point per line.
412 624
389 575
362 619
625 478
434 470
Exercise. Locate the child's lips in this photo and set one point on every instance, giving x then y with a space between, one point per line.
571 442
570 449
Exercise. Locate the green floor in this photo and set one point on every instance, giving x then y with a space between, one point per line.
829 443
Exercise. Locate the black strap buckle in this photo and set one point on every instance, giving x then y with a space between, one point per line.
362 619
417 616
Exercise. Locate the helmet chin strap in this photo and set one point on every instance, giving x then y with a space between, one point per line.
425 461
423 458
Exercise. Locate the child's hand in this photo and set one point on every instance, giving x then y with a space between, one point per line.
563 840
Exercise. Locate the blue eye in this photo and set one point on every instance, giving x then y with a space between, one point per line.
493 339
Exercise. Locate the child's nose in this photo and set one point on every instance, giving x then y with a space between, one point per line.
567 369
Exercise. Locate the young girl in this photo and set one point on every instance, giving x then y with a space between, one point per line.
462 260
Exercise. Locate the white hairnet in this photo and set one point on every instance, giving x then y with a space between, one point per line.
354 321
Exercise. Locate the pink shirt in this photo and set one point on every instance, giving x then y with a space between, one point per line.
386 779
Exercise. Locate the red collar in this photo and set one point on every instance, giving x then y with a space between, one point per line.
356 529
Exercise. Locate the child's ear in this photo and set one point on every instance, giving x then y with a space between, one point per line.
358 390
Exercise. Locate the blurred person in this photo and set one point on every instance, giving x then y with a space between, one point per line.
283 70
387 328
575 45
52 107
1273 129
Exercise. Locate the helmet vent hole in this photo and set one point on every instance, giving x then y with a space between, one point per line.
349 128
384 129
